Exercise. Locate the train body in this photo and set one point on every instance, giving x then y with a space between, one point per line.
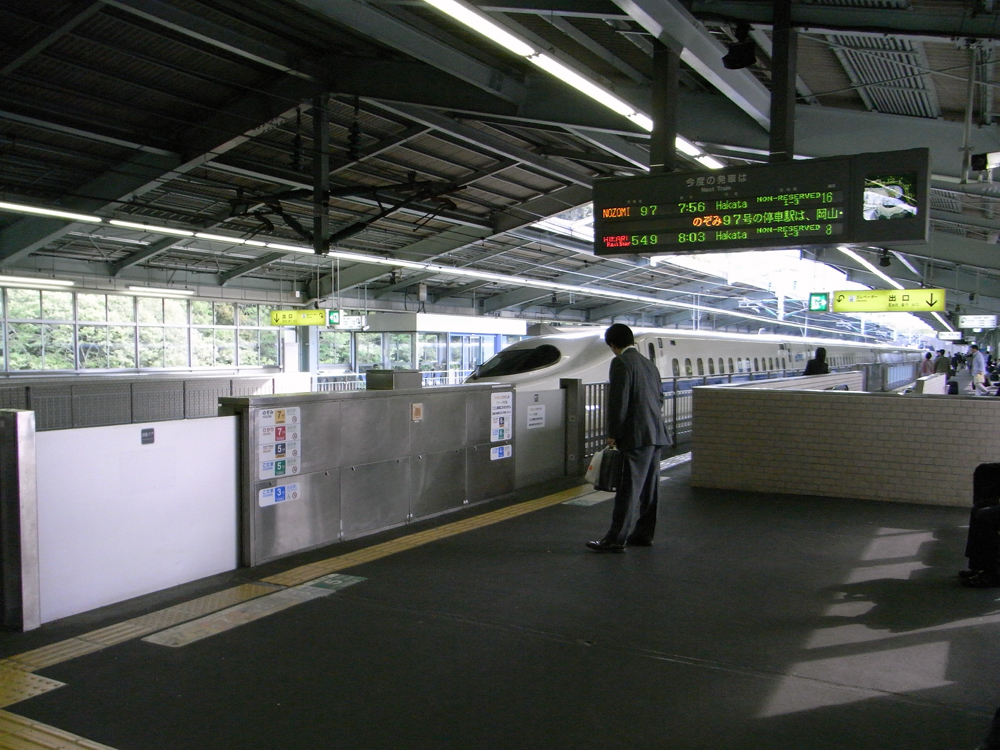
539 362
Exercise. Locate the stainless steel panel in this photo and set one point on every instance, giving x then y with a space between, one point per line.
477 411
444 423
157 400
541 450
296 525
486 478
375 496
53 407
438 482
375 428
20 598
322 441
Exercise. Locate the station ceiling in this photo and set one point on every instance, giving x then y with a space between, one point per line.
445 149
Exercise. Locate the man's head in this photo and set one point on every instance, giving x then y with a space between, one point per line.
973 349
618 336
940 352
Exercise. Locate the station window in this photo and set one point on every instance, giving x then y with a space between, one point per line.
711 366
687 368
335 348
400 351
432 352
676 368
701 366
368 350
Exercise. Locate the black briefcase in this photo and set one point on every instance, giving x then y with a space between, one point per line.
610 477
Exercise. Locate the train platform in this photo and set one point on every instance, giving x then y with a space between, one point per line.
755 621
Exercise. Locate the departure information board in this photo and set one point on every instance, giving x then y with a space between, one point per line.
864 198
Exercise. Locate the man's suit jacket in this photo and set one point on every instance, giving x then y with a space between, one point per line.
635 417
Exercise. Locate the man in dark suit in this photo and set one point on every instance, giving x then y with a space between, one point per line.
635 427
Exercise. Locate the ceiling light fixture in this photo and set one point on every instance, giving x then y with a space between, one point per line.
152 228
710 161
870 267
943 321
21 208
34 282
484 26
160 291
219 238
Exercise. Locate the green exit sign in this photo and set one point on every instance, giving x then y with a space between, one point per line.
333 317
819 302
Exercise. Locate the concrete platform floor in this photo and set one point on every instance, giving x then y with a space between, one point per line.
755 622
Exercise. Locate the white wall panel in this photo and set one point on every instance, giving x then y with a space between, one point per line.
119 519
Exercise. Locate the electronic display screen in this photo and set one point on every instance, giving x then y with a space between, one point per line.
841 200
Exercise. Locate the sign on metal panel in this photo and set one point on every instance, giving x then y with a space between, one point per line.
889 300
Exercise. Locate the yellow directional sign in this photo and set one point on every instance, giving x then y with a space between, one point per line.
298 317
889 300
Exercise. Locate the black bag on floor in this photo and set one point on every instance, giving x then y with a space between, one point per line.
609 472
952 387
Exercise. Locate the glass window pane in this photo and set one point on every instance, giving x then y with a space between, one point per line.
150 311
201 312
57 305
225 347
400 351
676 367
711 366
454 352
202 346
92 346
58 343
121 309
91 307
249 348
248 315
265 314
121 346
24 341
175 347
24 303
701 366
225 314
334 348
269 348
150 346
731 370
431 349
175 311
369 350
688 371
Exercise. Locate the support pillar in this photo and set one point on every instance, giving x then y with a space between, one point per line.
321 174
666 68
783 59
576 427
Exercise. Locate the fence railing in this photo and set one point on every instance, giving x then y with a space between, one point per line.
355 381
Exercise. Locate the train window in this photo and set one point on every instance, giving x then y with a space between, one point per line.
687 367
652 352
739 364
711 366
701 366
756 367
516 361
731 370
770 363
659 343
677 368
747 362
722 367
783 365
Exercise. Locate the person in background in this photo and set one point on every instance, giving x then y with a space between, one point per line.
635 427
942 364
977 367
817 365
927 366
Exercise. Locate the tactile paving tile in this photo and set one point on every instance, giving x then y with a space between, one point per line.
669 463
17 685
55 653
593 498
18 733
306 573
335 582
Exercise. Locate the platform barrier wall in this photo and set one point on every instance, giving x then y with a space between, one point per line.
118 518
872 446
541 436
851 381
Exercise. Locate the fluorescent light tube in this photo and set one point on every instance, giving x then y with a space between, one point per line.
710 161
289 248
55 213
219 238
685 146
159 290
851 254
476 22
642 121
942 321
152 228
21 280
581 84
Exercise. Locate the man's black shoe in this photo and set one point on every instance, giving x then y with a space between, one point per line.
639 541
982 580
968 573
605 546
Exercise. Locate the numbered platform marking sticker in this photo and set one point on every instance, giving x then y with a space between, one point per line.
501 416
280 467
280 494
291 415
501 451
279 433
273 451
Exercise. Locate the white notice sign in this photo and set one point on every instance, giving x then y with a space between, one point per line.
536 416
501 451
501 416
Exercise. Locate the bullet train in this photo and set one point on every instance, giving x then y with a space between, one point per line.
537 363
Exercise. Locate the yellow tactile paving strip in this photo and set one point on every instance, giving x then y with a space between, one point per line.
304 573
17 682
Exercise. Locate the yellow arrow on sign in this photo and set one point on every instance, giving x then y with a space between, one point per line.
889 300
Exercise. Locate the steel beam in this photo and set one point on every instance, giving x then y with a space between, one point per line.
246 268
160 246
405 283
84 12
